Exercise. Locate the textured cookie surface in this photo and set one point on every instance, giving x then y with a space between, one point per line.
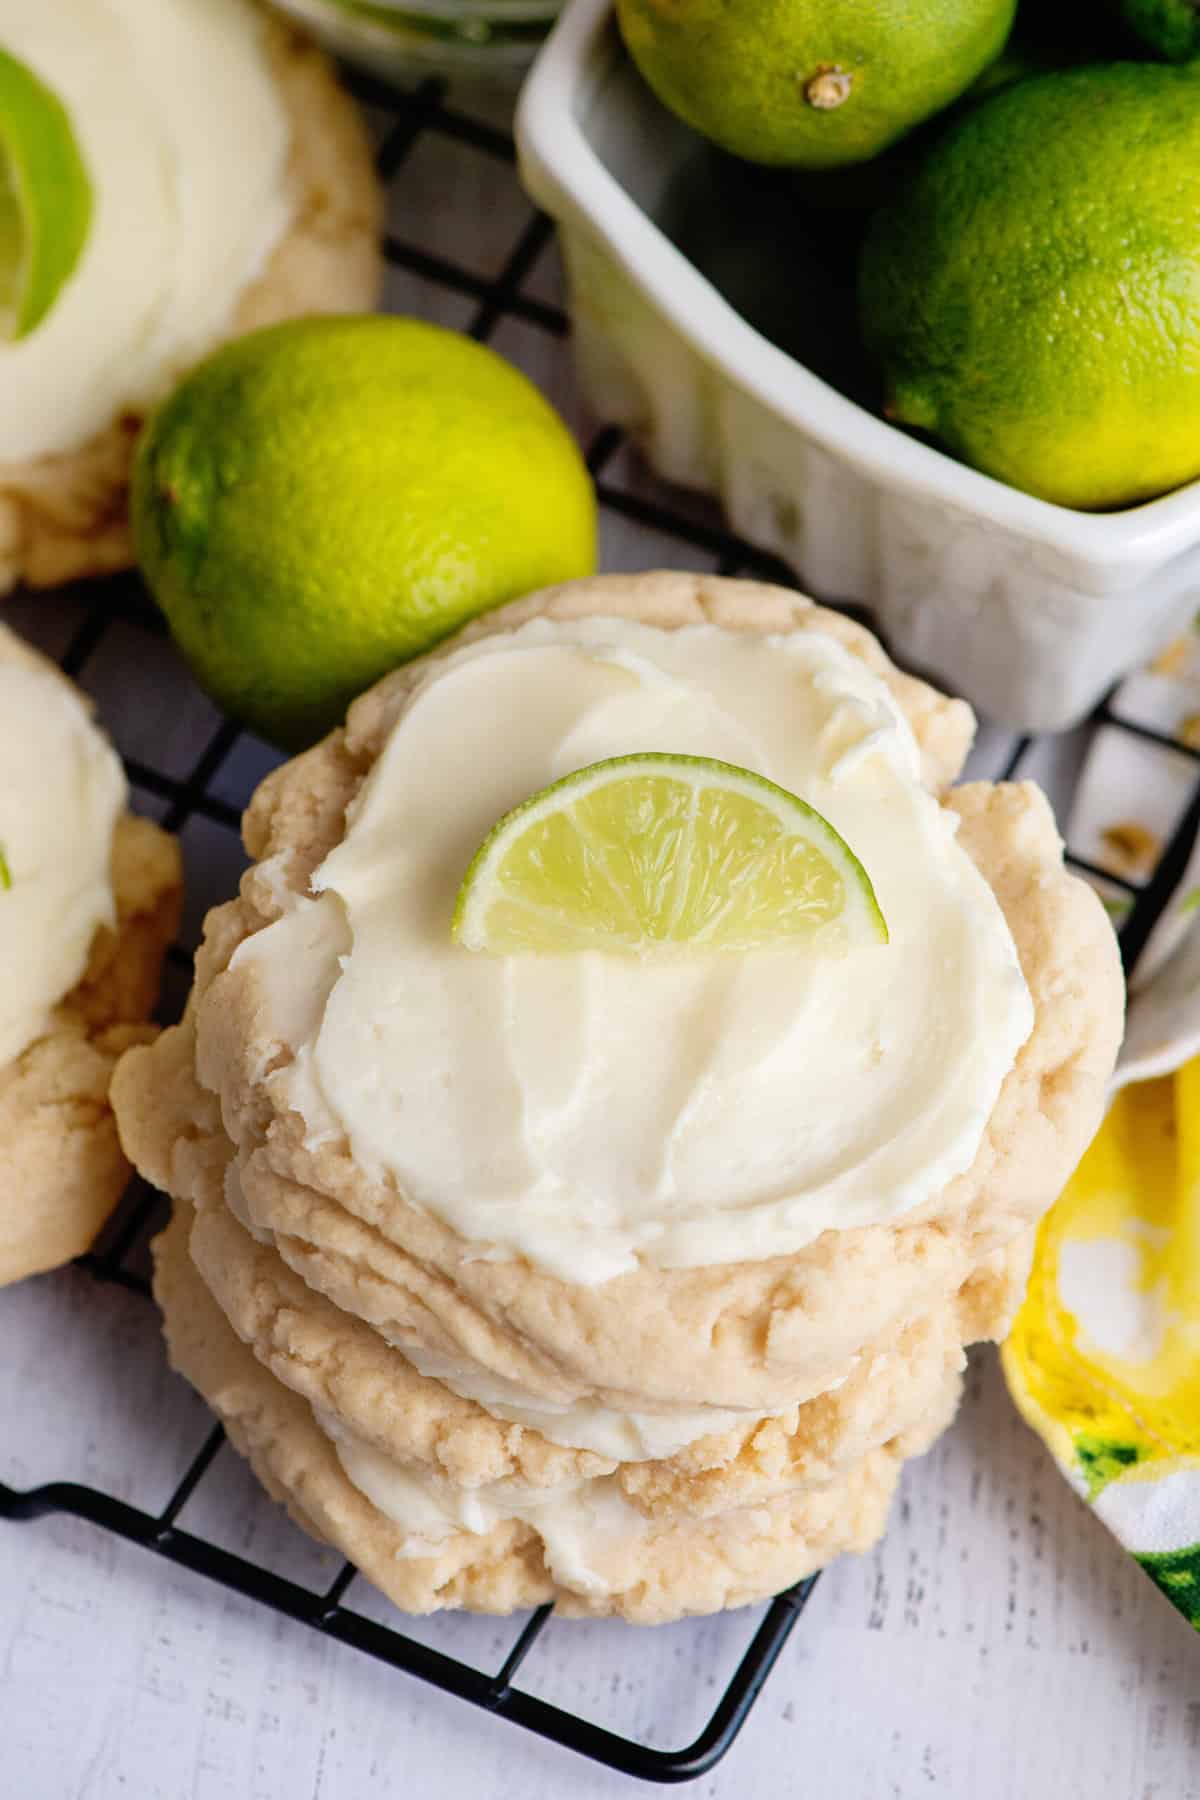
343 1368
754 1335
678 1567
66 516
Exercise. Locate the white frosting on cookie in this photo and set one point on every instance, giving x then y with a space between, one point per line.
587 1528
584 1425
61 791
588 1111
577 1521
587 1425
179 121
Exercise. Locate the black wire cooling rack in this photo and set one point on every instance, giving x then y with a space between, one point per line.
409 120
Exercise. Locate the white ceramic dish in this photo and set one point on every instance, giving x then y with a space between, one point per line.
1030 610
467 41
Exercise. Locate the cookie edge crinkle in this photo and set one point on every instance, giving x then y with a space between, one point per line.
698 1566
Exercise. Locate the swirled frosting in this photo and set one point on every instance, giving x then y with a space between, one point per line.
180 125
585 1112
61 790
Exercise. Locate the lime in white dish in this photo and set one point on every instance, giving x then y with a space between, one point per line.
822 84
640 852
1036 310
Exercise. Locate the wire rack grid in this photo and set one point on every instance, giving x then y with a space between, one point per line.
673 525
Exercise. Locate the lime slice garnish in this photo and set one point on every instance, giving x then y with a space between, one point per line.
651 850
45 199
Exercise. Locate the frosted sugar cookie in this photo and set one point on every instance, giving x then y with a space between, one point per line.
222 182
506 1233
89 898
696 1237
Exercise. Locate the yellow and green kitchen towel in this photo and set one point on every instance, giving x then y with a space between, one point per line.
1104 1357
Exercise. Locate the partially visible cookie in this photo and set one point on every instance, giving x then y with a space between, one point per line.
66 515
62 1169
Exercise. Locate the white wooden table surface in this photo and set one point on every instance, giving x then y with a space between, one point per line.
998 1646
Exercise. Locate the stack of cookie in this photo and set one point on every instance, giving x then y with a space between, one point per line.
688 1372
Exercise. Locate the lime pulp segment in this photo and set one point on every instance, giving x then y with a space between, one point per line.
644 851
45 199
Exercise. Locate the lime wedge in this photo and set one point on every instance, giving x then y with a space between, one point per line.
45 199
641 852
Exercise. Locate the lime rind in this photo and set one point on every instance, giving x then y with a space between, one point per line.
45 199
654 850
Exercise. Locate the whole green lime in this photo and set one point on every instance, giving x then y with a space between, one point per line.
1170 28
811 84
324 499
1033 299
